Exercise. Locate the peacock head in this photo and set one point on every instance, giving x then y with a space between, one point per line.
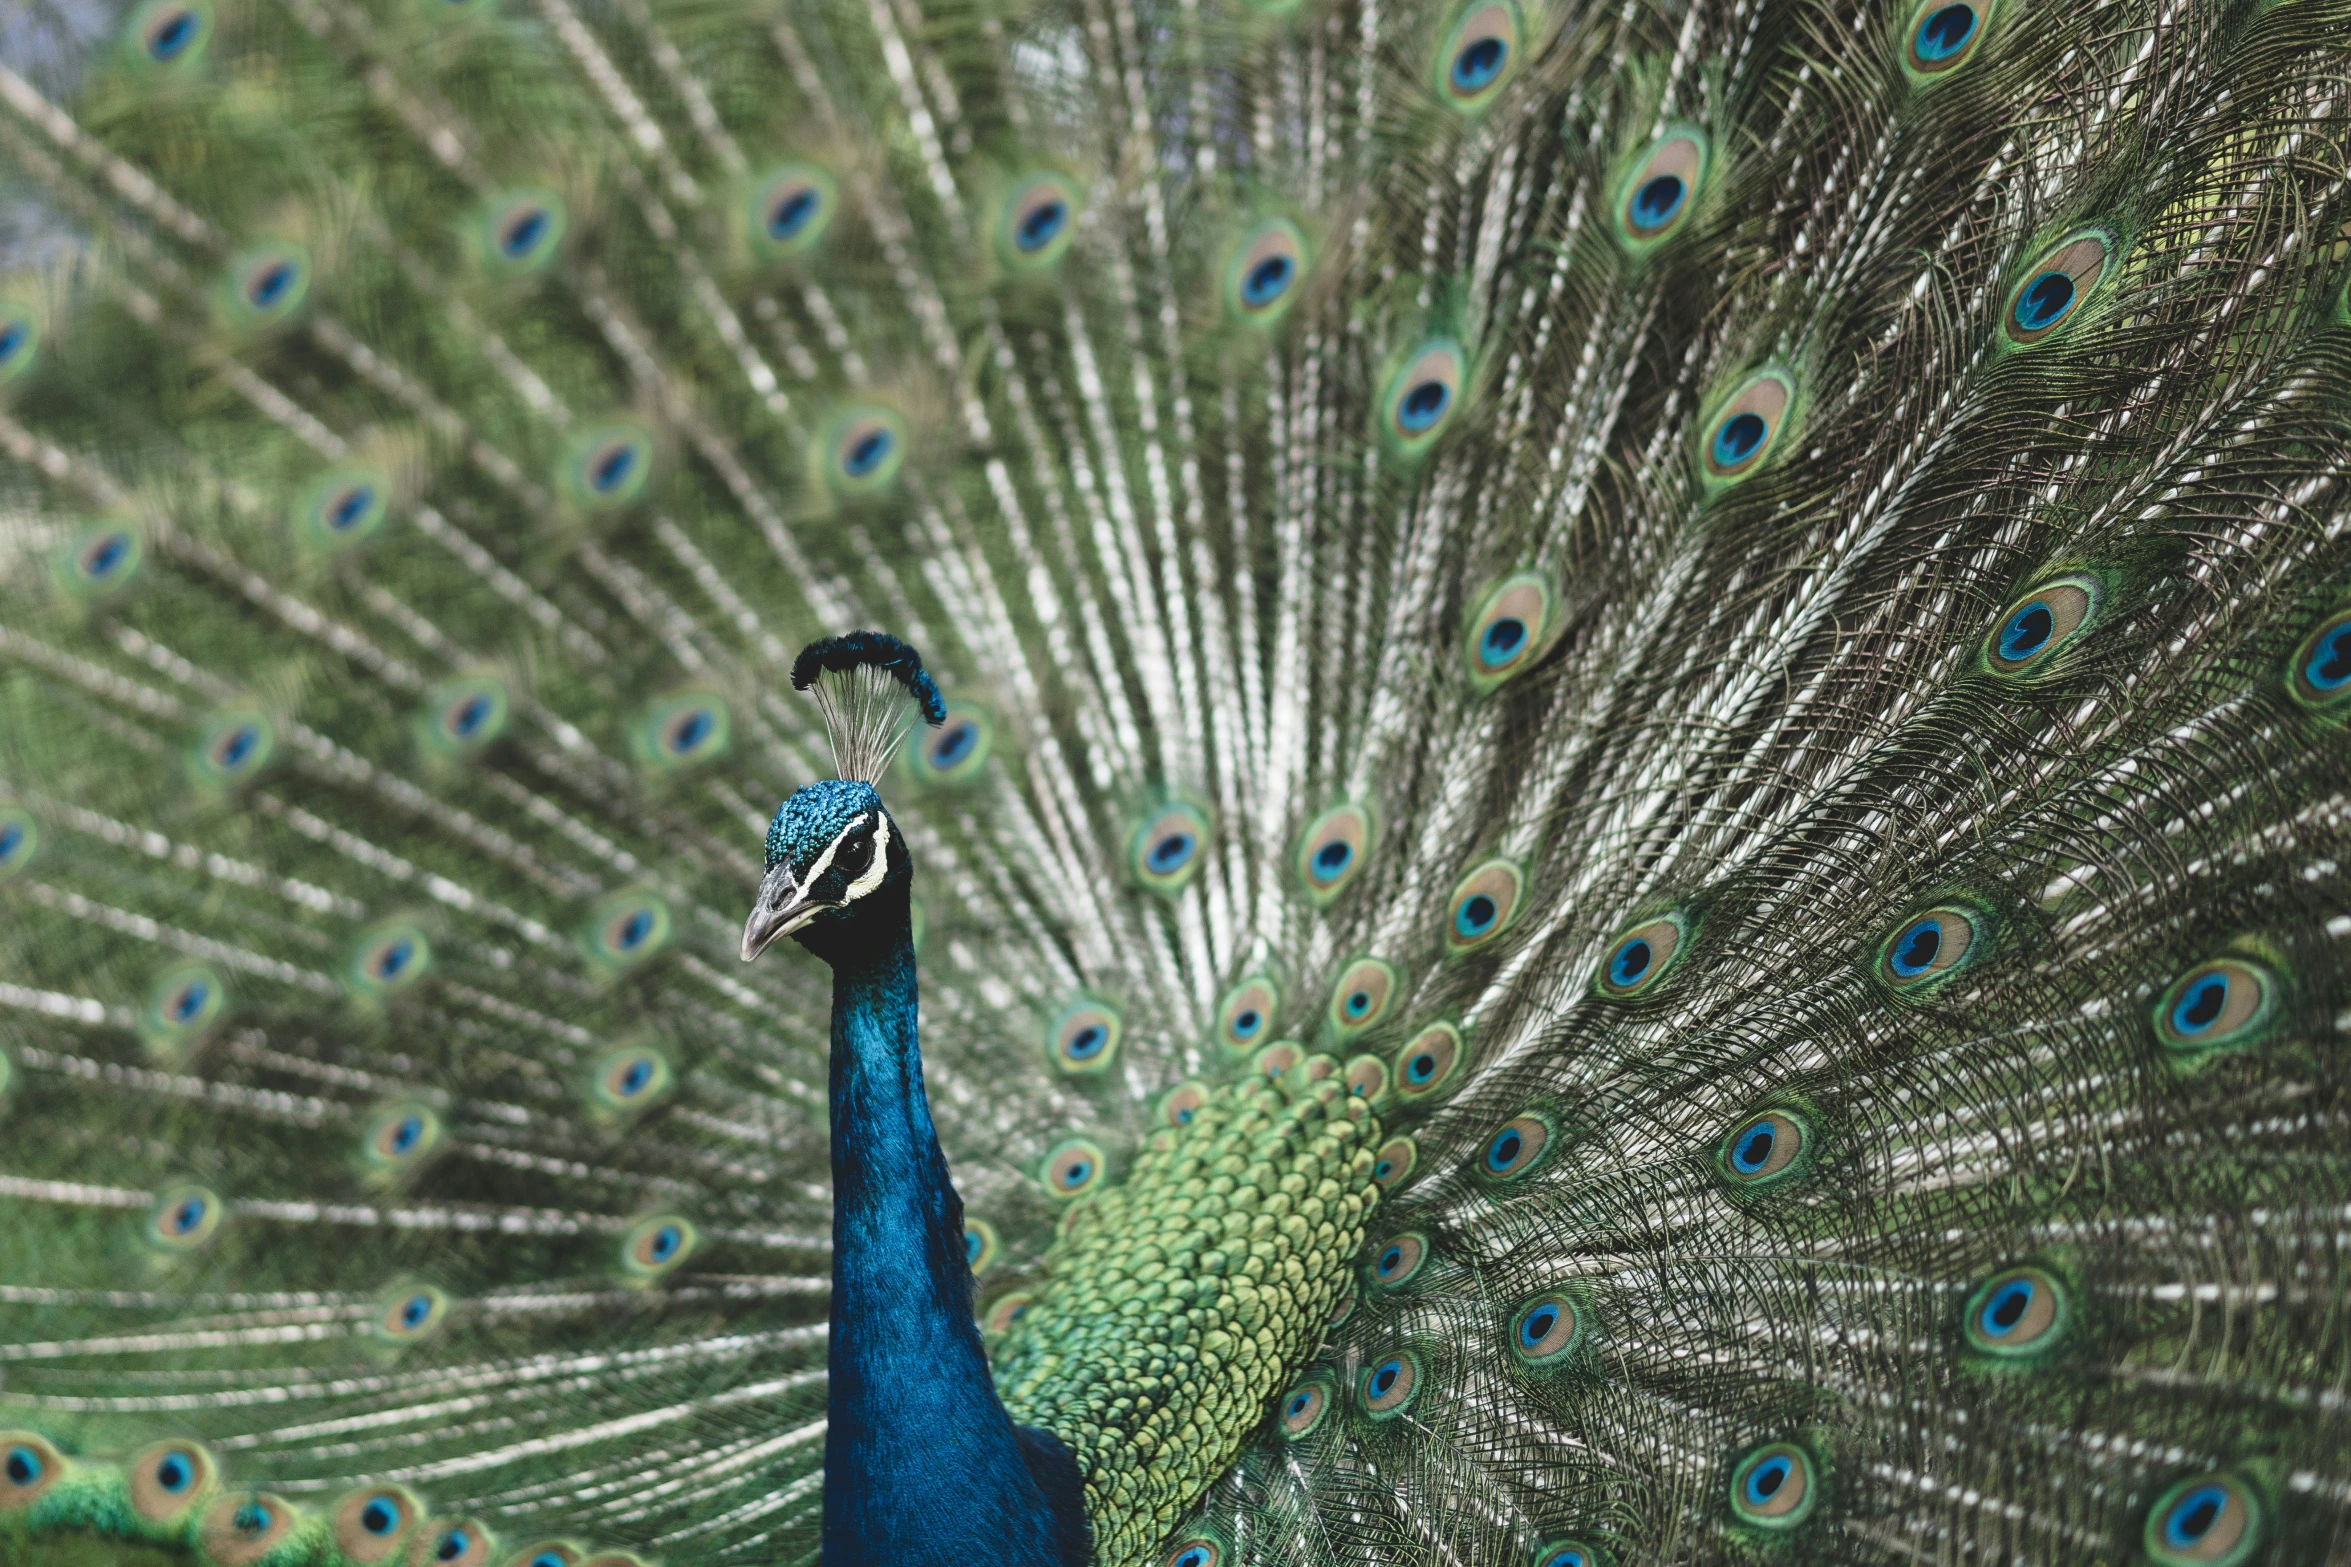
837 867
837 872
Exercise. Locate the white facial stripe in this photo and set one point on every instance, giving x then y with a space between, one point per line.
824 861
881 862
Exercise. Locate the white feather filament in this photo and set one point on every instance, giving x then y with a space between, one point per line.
866 716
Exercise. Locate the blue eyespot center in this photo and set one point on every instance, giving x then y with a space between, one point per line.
2201 1004
634 930
2026 632
173 1473
1334 857
2191 1518
1765 1479
2329 665
1076 1174
1298 1405
395 958
1382 1170
351 507
414 1310
633 1081
469 715
1537 1325
1477 915
955 742
1267 281
1423 405
187 1216
108 553
1630 962
1391 1260
1421 1067
666 1241
2006 1308
868 453
11 839
1740 437
691 731
1570 1557
1657 200
251 1518
1501 641
407 1133
611 470
167 42
23 1466
238 745
791 214
454 1545
1087 1042
1358 1003
190 1001
379 1517
1170 852
1039 225
1915 949
1753 1149
1195 1557
1476 66
1385 1377
13 335
1944 33
270 285
1247 1022
524 232
1503 1151
2044 302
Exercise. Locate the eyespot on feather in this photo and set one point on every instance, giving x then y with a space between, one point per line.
1393 1265
1510 629
1168 848
455 1542
1366 1078
626 930
1479 55
29 1466
20 839
234 747
1073 1168
388 960
1360 997
981 1247
1659 194
630 1078
266 285
1638 960
100 561
1426 1063
1423 395
241 1530
463 717
1333 850
786 211
167 37
2015 1313
1483 905
1545 1328
1264 275
2227 1003
1300 1411
1516 1149
370 1524
1182 1104
1196 1552
1245 1017
410 1313
955 751
2038 624
401 1137
1764 1150
1774 1487
549 1553
1942 35
2320 674
863 450
1929 947
520 232
1005 1310
1746 426
1084 1039
183 1005
1389 1384
2055 286
658 1246
342 507
1392 1165
20 341
1038 219
605 467
164 1479
1568 1553
684 731
2207 1520
1276 1059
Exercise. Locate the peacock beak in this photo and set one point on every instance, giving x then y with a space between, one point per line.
782 907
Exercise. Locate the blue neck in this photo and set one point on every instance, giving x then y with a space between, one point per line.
922 1465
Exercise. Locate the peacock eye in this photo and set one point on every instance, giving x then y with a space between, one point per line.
1763 1150
28 1466
1773 1486
1073 1167
1566 1553
1395 1263
1245 1016
2320 675
2054 288
1360 998
1085 1038
1264 271
2208 1520
1422 396
1655 197
657 1246
20 839
1641 957
1928 947
1545 1328
1333 850
980 1245
1389 1385
2038 624
2022 1311
1477 55
1517 1148
2225 1004
1941 34
166 1478
1183 1104
1426 1063
1483 905
1302 1409
407 1315
1747 426
1393 1163
1194 1553
1039 218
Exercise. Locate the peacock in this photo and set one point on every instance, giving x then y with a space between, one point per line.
1175 783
